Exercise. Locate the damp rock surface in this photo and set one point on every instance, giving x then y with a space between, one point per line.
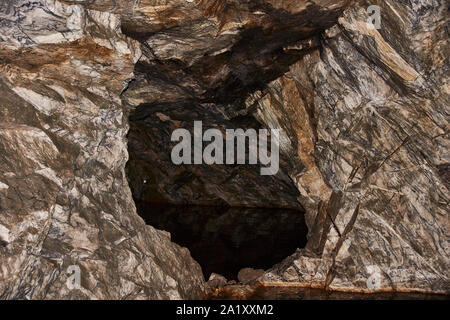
261 292
364 149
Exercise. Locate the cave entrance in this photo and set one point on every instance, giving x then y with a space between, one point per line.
226 239
229 216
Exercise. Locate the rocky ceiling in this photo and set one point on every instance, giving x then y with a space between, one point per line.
203 67
364 114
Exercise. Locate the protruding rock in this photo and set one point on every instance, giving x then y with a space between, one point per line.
216 281
247 275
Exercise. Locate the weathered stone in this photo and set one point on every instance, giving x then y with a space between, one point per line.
364 115
378 112
203 68
248 275
216 281
64 198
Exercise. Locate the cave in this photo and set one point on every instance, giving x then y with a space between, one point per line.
353 94
229 216
224 240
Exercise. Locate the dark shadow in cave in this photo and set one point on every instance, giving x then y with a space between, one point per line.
226 239
201 205
229 216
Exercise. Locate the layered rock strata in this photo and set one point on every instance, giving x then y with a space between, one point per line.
364 117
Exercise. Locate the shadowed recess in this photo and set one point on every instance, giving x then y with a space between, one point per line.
226 239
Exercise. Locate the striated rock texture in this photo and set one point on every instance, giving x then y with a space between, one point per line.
372 111
64 198
201 65
155 178
364 114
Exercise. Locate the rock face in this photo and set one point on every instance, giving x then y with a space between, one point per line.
364 116
153 177
375 104
64 197
203 67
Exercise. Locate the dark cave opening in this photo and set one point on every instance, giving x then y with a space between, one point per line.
225 240
230 217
